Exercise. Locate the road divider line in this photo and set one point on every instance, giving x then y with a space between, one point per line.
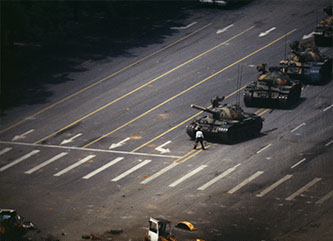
159 173
258 111
190 88
245 182
3 151
264 111
141 87
325 198
76 164
274 185
296 128
105 78
91 149
214 180
133 169
264 148
303 189
182 160
293 166
102 168
32 170
17 161
187 176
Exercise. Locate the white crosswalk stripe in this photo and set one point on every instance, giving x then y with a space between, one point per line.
325 198
188 175
130 170
246 181
67 169
224 174
164 170
303 189
7 149
159 173
102 168
17 161
274 185
32 170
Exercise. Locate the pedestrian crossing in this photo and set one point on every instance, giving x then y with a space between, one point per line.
186 176
19 160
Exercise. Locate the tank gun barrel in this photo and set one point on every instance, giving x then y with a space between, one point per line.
202 108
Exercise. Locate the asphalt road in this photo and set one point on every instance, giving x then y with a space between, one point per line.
109 148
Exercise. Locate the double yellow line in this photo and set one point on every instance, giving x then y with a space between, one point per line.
105 78
262 111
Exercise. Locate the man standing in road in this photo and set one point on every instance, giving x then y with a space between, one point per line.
199 137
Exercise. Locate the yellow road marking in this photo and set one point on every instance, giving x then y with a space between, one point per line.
105 78
266 110
261 109
142 86
190 88
188 155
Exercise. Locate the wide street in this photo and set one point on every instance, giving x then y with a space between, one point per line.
109 149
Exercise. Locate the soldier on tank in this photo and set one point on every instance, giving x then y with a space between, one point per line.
216 101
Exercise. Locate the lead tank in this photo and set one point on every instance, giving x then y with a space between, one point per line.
273 88
225 123
306 63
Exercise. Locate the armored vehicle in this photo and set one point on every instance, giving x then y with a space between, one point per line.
272 89
323 34
225 123
306 63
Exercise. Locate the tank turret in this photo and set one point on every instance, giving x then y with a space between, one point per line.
223 112
225 123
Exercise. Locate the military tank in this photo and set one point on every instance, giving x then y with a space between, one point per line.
272 89
307 64
225 123
323 35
